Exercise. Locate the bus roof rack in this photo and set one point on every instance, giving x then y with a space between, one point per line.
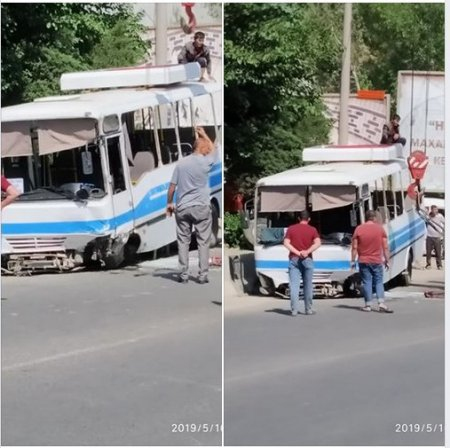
353 153
143 75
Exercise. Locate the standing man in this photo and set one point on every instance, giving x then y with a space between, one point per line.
193 209
370 245
197 51
11 194
435 232
391 132
301 240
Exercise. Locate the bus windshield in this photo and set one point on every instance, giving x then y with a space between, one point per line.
57 175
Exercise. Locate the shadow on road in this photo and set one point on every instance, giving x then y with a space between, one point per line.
436 284
173 276
350 307
216 302
279 311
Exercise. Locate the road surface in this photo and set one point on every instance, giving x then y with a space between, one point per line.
340 377
126 357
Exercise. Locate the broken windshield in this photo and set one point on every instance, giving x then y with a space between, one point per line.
58 175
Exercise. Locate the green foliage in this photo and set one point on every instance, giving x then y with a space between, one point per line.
43 79
400 36
120 43
233 232
275 57
40 41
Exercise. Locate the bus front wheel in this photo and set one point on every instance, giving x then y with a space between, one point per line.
404 278
214 241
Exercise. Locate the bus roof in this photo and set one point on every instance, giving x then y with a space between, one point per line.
335 173
105 102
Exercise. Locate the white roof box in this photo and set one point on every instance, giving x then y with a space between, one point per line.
143 75
352 153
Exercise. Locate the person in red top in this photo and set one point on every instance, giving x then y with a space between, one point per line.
301 240
9 191
370 245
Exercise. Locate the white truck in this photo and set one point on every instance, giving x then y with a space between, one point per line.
421 106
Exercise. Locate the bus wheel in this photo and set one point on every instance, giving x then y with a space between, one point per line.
352 286
116 257
130 250
404 279
214 241
88 260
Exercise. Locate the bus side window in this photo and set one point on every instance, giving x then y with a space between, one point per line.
391 204
115 165
168 132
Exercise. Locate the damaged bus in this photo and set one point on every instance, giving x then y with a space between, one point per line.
94 166
337 190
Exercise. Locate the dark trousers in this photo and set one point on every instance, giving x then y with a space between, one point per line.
401 140
434 243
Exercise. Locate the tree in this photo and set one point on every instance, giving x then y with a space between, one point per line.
40 41
275 58
400 36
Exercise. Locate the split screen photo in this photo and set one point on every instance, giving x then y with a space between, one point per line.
223 224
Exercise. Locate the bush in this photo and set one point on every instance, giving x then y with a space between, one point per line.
233 233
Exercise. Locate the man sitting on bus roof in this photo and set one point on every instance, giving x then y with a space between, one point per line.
391 132
197 51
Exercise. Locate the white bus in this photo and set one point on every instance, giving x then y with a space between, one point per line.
94 167
338 189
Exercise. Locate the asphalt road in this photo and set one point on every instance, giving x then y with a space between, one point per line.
127 357
340 377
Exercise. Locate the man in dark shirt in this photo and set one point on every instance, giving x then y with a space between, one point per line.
370 245
301 240
197 51
391 132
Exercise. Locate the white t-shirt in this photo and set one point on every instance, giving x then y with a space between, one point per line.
435 229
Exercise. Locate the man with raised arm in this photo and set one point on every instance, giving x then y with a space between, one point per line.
190 180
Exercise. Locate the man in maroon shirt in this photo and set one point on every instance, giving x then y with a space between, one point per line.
10 193
301 240
370 244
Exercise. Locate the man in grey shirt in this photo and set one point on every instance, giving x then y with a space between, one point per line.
191 182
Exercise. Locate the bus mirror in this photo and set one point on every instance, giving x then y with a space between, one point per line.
353 220
86 161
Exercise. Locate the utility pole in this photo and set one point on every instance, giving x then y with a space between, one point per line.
161 34
345 75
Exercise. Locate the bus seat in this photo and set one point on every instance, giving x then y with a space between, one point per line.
144 161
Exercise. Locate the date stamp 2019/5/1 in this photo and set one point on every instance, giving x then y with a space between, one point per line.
419 427
196 427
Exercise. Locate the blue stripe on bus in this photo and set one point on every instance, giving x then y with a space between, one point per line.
332 265
396 244
145 207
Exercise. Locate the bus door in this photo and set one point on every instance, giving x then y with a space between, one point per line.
122 201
